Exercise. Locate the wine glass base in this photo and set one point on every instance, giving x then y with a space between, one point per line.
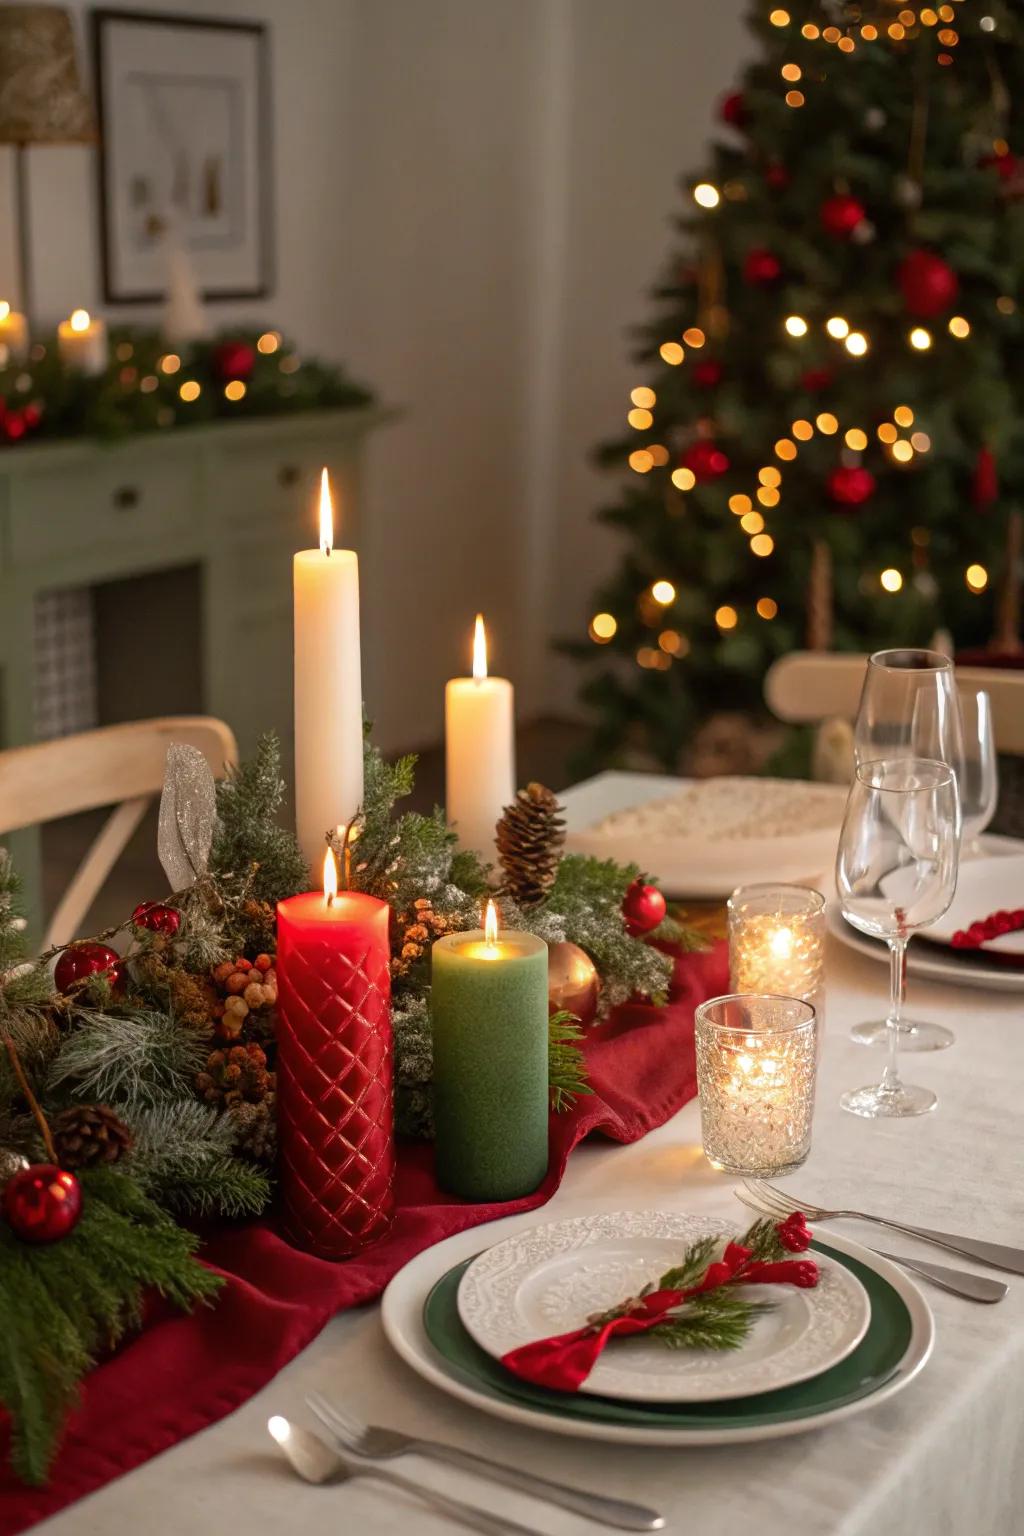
915 1034
881 1102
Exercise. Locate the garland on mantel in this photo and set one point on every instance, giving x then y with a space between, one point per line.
153 1068
153 385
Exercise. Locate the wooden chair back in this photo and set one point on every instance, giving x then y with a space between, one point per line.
809 686
120 765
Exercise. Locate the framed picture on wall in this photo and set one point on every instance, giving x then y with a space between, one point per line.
184 157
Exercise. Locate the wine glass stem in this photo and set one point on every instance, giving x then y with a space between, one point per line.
898 984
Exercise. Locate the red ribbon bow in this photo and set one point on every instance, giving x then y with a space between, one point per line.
564 1361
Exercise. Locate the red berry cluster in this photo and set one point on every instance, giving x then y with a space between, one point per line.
991 927
794 1234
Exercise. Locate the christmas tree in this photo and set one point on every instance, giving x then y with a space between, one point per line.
826 449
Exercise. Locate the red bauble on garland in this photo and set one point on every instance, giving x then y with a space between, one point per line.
928 284
814 380
762 267
42 1203
234 360
643 907
707 374
985 480
841 214
705 460
157 917
851 485
80 961
732 109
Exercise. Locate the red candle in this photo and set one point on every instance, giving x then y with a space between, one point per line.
334 1068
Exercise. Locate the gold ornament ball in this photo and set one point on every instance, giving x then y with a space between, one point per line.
573 982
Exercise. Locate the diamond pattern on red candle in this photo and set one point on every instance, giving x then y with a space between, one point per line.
335 1116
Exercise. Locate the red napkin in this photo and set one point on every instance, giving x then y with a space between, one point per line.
184 1372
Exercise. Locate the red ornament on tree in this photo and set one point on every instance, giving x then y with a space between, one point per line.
732 109
705 460
15 426
928 284
707 374
851 485
985 481
1004 165
814 380
762 267
643 907
80 961
234 360
42 1203
157 917
777 177
841 214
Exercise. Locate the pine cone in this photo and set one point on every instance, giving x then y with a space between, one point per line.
87 1134
413 933
530 837
257 1131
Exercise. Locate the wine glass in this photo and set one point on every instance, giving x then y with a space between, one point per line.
909 707
978 782
895 872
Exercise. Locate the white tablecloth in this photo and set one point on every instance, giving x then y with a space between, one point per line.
946 1457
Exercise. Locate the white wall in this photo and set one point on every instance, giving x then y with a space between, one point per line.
472 197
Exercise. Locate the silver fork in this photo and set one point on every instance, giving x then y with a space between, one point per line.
774 1202
318 1463
959 1281
379 1444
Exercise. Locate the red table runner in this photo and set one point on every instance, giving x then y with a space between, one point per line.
184 1372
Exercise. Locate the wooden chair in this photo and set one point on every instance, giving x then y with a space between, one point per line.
809 686
120 765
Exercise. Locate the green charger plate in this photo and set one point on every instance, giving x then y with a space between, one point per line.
875 1361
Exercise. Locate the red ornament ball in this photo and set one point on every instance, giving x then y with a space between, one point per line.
79 961
157 917
985 480
643 907
814 380
705 459
42 1203
732 109
234 360
762 267
15 426
928 284
777 177
850 485
707 374
1004 165
841 214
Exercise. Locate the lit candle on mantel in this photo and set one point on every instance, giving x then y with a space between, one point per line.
489 1008
479 714
328 688
334 1068
13 334
82 342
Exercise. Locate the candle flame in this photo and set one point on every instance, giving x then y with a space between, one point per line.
479 648
782 943
5 309
491 923
330 878
80 320
326 514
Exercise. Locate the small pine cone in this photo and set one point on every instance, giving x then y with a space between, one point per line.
257 1136
530 835
87 1134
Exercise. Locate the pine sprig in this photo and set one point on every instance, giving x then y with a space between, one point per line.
567 1070
718 1319
695 1261
64 1302
133 1059
183 1156
249 844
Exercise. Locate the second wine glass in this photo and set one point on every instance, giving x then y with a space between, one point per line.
896 872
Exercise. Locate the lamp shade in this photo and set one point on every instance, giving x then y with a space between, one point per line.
42 100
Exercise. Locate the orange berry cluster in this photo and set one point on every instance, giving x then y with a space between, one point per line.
248 985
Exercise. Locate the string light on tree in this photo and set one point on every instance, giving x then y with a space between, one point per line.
959 327
752 522
920 339
671 353
856 439
903 416
856 343
887 432
902 451
796 325
837 327
706 195
603 627
643 396
740 504
663 592
683 479
726 617
767 607
762 544
976 578
694 336
641 461
891 579
785 449
827 423
920 442
640 419
779 18
802 430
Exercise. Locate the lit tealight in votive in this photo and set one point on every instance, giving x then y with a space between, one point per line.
777 942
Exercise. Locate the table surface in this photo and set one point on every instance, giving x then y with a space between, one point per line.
944 1456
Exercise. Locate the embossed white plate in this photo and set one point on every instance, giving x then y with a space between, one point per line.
548 1280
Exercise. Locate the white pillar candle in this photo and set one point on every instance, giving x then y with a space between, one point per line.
479 714
82 342
328 688
13 334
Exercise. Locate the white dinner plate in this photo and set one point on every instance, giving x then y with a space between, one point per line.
931 962
984 886
550 1279
704 859
403 1323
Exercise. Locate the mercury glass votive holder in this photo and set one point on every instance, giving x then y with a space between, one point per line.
756 1067
777 943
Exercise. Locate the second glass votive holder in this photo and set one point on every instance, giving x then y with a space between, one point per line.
756 1069
777 943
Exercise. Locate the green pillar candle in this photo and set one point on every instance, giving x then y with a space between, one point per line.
489 1001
